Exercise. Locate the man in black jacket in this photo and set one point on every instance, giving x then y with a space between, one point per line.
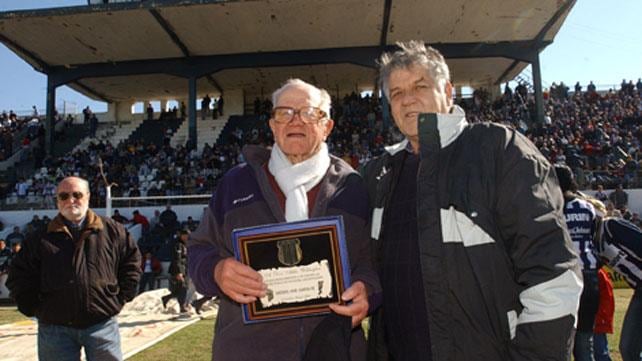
473 255
75 277
178 272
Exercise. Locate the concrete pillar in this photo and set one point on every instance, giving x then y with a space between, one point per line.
112 113
120 111
537 85
233 104
191 106
50 122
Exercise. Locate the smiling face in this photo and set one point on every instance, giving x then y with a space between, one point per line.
73 209
298 140
413 91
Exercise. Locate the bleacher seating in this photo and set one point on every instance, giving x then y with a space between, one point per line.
155 131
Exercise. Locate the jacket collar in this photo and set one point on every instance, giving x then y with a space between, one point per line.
450 127
92 221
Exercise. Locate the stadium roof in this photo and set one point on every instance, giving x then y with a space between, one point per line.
147 50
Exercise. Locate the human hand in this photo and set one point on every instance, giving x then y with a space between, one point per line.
358 309
179 277
238 281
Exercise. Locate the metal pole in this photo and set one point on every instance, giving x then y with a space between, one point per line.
108 201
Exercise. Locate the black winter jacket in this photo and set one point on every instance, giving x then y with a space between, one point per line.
76 284
501 281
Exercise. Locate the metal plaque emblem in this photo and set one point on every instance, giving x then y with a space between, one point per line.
290 253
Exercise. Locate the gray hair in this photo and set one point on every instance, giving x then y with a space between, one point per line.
326 101
413 53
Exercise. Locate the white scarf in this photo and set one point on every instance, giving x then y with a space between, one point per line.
295 180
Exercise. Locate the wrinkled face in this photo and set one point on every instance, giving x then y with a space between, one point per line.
72 208
413 91
298 140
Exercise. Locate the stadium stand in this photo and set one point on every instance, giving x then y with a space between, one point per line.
597 134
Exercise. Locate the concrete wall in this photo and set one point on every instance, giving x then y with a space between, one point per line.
635 198
21 218
120 111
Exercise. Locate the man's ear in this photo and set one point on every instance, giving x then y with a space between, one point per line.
329 124
448 87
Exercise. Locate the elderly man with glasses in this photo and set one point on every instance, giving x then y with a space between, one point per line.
296 180
75 277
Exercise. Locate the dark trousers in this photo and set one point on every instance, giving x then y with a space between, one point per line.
146 282
178 291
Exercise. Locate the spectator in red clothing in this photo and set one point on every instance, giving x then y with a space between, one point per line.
604 317
140 219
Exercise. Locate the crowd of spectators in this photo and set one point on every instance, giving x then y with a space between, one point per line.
136 168
18 132
597 134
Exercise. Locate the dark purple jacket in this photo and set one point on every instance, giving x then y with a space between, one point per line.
245 198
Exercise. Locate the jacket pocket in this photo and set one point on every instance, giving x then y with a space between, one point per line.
112 289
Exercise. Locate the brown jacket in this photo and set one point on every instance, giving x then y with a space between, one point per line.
80 283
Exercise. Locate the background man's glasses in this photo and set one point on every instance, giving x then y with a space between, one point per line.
63 196
309 115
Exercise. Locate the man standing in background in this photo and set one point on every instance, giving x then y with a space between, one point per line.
75 277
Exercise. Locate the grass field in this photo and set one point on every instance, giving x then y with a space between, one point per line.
10 315
622 298
194 342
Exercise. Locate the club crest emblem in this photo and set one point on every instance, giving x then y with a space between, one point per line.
290 253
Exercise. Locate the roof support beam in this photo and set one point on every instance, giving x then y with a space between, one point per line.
200 66
518 50
506 72
561 11
91 91
41 65
170 31
214 83
385 23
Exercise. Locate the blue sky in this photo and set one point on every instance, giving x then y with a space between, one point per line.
600 41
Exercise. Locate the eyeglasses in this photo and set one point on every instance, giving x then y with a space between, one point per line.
308 115
63 196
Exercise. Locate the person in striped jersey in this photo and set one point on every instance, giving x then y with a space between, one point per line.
581 221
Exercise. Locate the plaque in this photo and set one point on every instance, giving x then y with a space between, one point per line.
304 265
